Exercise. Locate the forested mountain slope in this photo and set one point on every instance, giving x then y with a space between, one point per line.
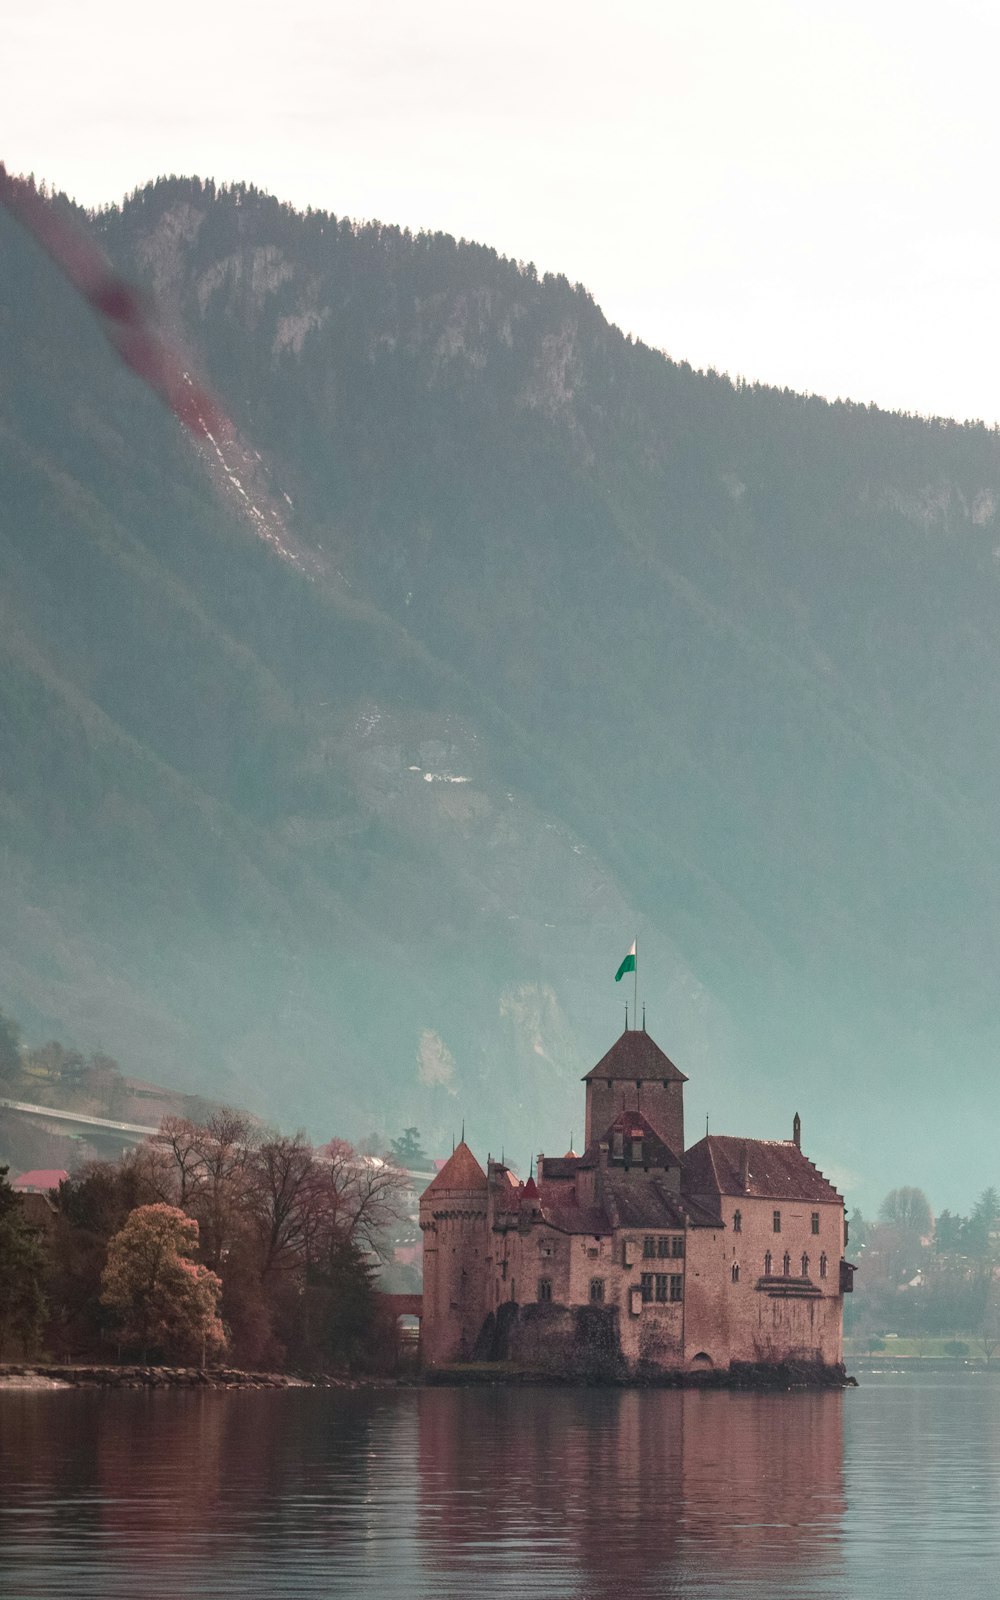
339 759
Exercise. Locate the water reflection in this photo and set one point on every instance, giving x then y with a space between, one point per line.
645 1488
420 1493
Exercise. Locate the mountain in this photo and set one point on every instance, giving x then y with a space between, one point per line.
342 755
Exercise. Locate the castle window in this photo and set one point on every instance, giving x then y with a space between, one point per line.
617 1145
662 1282
768 1263
646 1285
676 1286
737 1222
786 1265
545 1288
805 1265
593 1252
663 1245
822 1265
736 1272
503 1269
637 1151
649 1246
815 1222
677 1245
597 1291
775 1221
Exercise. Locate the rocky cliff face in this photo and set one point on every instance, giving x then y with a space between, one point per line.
342 756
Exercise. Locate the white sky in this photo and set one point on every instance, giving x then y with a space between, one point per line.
795 191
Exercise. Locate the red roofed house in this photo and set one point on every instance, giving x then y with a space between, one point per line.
633 1258
39 1182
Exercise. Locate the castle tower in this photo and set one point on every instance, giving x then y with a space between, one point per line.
456 1257
635 1075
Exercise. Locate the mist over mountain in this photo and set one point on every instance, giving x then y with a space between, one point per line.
341 759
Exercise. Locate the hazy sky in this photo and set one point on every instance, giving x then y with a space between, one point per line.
800 192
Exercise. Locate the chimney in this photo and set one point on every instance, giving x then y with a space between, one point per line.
797 1131
745 1168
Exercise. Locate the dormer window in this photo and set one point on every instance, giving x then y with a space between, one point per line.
617 1145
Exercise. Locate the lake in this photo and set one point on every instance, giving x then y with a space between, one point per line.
889 1490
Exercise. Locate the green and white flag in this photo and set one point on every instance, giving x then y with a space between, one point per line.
628 965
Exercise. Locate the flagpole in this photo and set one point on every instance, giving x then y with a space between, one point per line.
635 986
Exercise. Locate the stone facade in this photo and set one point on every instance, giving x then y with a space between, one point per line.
633 1259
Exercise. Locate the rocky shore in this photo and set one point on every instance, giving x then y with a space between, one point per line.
27 1376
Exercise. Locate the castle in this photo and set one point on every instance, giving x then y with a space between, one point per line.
638 1256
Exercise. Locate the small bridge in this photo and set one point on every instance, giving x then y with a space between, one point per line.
403 1305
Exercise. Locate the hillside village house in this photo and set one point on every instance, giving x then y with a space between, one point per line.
638 1255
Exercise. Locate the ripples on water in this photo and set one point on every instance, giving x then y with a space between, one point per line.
892 1490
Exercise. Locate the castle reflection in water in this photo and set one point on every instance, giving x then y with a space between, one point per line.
421 1492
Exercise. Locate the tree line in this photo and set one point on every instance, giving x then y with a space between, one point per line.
921 1276
215 1238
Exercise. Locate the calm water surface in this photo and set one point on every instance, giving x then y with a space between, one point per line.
889 1490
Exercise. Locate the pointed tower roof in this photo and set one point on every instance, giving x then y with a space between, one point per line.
635 1055
461 1171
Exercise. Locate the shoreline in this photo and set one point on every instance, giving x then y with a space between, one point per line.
96 1375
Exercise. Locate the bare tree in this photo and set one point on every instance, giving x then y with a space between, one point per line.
283 1183
368 1195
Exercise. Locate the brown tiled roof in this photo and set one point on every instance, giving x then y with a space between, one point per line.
577 1219
636 1056
632 1124
777 1170
641 1202
461 1171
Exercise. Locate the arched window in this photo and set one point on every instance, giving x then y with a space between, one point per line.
786 1265
805 1265
768 1264
737 1222
822 1265
736 1272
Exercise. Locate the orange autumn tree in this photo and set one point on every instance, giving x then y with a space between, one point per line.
165 1302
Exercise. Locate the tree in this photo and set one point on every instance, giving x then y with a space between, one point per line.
164 1301
406 1151
93 1205
909 1211
365 1195
980 1224
988 1335
10 1053
949 1232
22 1269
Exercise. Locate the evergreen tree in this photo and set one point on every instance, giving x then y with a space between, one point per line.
407 1151
10 1053
22 1269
